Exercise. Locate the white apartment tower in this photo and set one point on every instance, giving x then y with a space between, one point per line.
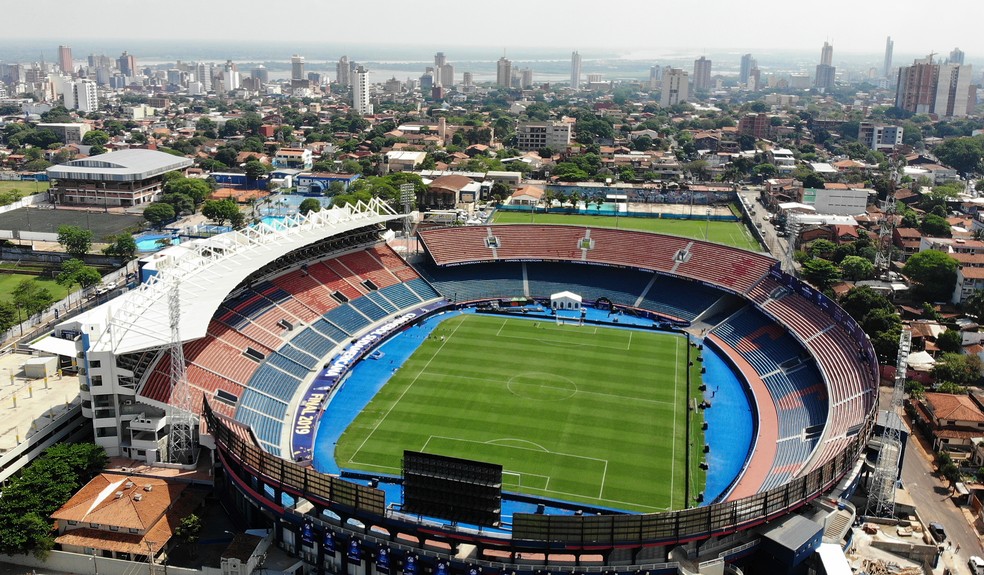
575 70
503 73
297 67
702 74
360 92
675 88
82 95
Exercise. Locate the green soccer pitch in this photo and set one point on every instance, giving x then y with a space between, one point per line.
576 413
727 233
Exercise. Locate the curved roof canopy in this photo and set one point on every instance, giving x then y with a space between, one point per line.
122 166
203 272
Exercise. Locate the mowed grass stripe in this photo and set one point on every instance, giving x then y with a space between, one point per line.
491 389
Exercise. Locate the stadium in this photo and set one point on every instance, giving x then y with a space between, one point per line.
501 399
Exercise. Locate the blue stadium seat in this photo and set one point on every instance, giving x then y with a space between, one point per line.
401 296
313 342
346 318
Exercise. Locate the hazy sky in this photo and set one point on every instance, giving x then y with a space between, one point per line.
858 26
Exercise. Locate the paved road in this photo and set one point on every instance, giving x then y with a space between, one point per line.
932 499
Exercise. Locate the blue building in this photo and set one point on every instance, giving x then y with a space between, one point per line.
319 183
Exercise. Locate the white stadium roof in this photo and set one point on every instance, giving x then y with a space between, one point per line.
121 166
205 271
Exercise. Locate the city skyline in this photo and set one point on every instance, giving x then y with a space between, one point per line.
864 31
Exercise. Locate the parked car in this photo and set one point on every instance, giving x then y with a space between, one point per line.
937 531
976 565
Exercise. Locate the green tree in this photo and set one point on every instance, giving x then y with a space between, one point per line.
822 248
857 268
8 316
75 240
31 297
821 273
950 341
963 154
975 305
95 138
159 213
223 210
121 246
957 368
189 529
936 226
309 205
75 271
194 188
934 273
41 488
254 169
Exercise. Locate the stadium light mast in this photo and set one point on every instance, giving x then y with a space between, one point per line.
181 439
406 196
881 489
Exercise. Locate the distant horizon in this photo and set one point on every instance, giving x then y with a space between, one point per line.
320 54
631 27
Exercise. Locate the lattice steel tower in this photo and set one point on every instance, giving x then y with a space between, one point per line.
883 259
181 439
881 491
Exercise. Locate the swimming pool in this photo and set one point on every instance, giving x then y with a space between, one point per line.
149 242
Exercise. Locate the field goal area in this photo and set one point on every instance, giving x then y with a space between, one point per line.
530 466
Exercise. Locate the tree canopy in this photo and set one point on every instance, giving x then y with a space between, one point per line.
75 271
121 246
223 210
75 240
933 272
159 213
42 487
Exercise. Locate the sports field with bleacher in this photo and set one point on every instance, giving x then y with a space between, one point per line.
727 233
576 413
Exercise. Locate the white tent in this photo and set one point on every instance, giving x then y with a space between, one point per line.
920 361
565 300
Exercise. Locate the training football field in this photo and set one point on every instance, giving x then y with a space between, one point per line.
577 413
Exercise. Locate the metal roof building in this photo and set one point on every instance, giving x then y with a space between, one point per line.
124 178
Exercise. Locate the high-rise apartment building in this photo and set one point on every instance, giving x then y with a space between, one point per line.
503 73
887 65
655 75
82 95
702 73
360 92
824 78
446 73
297 67
260 74
526 78
127 64
343 71
747 63
926 87
675 88
827 54
956 56
575 70
440 60
65 59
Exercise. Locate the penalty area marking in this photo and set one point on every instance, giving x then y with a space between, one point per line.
537 449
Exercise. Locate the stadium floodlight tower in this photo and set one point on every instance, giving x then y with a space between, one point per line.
181 439
881 491
406 196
